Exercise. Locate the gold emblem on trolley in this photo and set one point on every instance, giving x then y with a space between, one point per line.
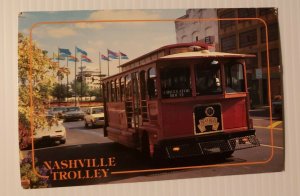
209 120
209 111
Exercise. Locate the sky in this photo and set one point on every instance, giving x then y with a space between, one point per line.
132 38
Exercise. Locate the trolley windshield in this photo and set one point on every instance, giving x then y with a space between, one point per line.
177 79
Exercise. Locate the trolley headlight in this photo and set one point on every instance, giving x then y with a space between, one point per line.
176 149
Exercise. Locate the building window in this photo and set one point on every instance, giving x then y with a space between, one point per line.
274 57
266 11
195 36
227 14
252 62
184 39
246 13
228 43
273 33
248 38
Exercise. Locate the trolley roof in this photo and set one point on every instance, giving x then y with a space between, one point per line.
204 54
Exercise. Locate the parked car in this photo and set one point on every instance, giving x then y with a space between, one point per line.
56 111
73 113
94 116
54 131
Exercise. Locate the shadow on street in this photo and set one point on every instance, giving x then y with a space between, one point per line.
126 160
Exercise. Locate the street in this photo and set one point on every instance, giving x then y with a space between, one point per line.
132 167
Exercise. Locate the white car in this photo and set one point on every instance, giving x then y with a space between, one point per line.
55 131
94 116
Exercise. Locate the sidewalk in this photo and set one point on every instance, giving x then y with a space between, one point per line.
264 112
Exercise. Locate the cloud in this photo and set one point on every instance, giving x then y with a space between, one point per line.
114 15
123 15
89 25
61 32
53 32
96 43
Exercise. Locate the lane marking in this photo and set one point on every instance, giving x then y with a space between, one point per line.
268 128
275 124
261 119
278 147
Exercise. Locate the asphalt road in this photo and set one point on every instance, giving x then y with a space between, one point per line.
132 167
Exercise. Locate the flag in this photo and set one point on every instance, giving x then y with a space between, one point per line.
112 54
104 57
85 59
58 58
81 51
72 59
64 52
123 56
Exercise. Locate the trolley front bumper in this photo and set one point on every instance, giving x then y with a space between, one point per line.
220 143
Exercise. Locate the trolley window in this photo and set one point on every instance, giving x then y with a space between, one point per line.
208 78
117 83
113 93
108 86
128 86
151 83
234 74
175 82
122 89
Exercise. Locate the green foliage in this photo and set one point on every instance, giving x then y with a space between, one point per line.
78 88
95 92
61 91
42 79
27 174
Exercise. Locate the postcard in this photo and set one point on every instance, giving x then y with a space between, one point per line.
118 96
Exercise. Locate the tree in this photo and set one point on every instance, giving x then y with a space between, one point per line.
43 76
78 89
61 91
95 92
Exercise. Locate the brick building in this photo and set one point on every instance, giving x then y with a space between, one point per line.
249 37
239 36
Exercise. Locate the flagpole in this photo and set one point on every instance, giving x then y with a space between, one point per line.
75 83
119 60
59 78
67 78
100 64
107 64
99 74
81 79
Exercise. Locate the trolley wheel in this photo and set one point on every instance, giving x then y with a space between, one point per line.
228 154
145 146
